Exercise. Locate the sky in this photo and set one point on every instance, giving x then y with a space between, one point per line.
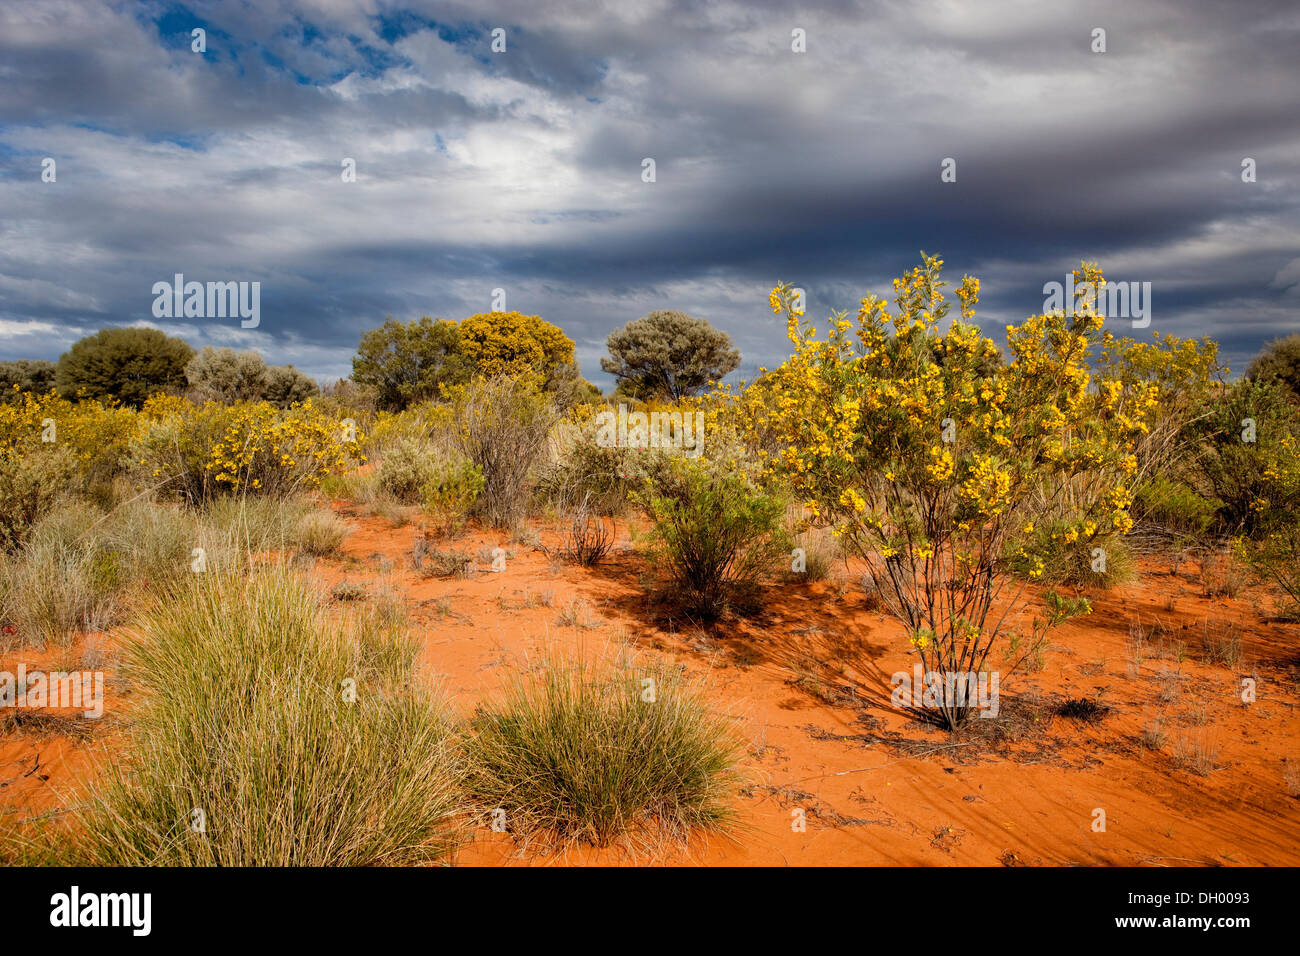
523 169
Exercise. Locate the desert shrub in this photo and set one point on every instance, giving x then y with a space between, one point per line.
934 461
598 751
1057 552
30 484
582 469
320 532
405 469
443 481
286 386
1247 436
450 491
428 424
430 560
717 532
63 581
96 437
83 567
1273 552
1173 380
202 452
585 538
247 722
1279 360
25 375
1174 506
225 375
501 425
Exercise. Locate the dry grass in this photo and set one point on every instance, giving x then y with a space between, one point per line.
1222 576
320 533
605 751
248 748
1198 754
1220 643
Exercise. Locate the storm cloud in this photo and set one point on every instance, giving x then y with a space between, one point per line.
522 169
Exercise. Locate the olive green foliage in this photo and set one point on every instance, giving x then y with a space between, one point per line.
25 375
1279 360
718 534
123 364
406 362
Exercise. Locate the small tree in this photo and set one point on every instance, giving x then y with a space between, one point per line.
126 364
511 343
405 362
668 354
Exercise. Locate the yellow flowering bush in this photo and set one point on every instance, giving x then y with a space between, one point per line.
931 456
1174 383
50 446
200 452
97 436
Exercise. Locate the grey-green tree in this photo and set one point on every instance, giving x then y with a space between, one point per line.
668 354
224 375
25 375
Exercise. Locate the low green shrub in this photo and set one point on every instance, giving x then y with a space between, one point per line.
450 491
717 534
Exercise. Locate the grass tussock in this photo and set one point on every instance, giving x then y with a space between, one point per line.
320 533
269 734
604 751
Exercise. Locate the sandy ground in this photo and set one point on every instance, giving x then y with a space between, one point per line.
809 682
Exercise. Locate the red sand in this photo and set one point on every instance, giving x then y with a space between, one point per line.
810 681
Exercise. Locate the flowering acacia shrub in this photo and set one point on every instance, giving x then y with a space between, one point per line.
1244 442
97 435
937 461
50 446
201 452
1170 500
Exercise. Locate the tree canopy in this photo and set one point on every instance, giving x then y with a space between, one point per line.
668 354
126 364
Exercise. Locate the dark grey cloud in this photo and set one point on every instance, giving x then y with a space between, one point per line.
523 170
